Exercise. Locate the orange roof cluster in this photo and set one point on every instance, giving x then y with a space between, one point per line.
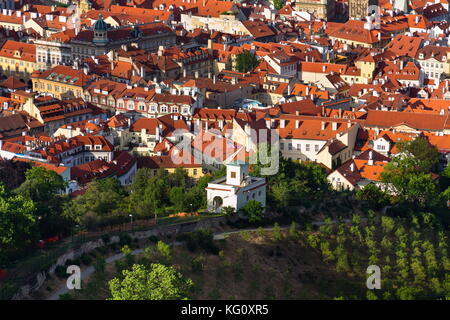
367 166
18 50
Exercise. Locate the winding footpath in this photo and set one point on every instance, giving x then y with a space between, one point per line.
86 273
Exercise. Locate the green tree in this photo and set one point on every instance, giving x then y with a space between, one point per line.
280 192
292 231
373 196
278 4
12 173
126 250
164 251
158 282
409 182
177 196
149 197
387 223
246 61
18 224
45 187
371 295
277 235
253 210
228 211
408 293
426 153
100 204
41 184
179 178
99 265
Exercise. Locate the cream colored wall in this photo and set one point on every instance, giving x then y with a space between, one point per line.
224 25
344 182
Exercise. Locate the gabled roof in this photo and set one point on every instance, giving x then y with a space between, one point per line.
12 83
360 167
420 121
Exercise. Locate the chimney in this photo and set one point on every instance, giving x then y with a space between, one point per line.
282 123
297 122
322 127
352 167
196 74
370 161
160 51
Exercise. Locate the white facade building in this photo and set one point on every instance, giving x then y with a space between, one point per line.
236 189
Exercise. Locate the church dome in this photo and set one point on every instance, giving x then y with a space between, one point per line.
100 24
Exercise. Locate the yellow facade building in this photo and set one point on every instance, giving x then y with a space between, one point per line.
61 81
18 59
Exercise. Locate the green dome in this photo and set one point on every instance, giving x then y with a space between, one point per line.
100 24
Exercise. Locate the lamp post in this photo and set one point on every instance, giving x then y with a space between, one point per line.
131 217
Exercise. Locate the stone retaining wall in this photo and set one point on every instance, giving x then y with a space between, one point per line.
38 280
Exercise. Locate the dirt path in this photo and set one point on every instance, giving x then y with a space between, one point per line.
217 236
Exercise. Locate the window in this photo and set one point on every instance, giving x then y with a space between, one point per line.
281 145
307 147
299 146
195 172
290 146
233 174
316 147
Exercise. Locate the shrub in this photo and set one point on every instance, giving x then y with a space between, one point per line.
70 262
66 296
8 290
197 263
85 259
153 239
125 239
103 250
106 238
61 272
200 239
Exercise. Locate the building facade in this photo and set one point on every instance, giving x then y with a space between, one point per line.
322 9
359 9
101 39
